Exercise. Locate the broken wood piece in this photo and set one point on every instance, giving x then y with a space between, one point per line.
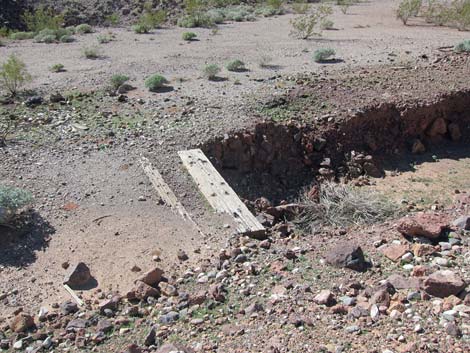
218 193
164 191
74 296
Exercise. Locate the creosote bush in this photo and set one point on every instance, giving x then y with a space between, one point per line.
22 35
141 28
463 47
300 7
407 9
235 66
189 36
211 71
11 201
13 74
323 54
57 68
152 18
8 124
309 25
104 38
41 19
344 205
91 52
155 82
83 29
118 80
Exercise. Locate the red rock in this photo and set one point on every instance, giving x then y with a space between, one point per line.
198 298
438 127
395 251
420 250
428 225
21 322
152 277
400 282
420 271
325 297
443 284
142 291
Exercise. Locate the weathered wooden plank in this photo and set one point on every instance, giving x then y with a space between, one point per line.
218 193
73 295
165 192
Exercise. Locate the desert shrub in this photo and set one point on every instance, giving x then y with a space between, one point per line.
461 14
13 74
113 19
22 35
300 7
276 4
5 32
91 52
235 65
196 20
305 26
463 47
216 15
194 6
83 29
8 124
141 28
67 39
327 24
42 18
407 9
344 5
155 82
151 18
189 36
344 205
46 36
268 11
2 44
57 68
211 71
323 54
71 29
264 60
118 80
103 38
11 201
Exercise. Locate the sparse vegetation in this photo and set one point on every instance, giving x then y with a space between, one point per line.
327 24
189 36
211 71
104 38
8 124
300 7
113 19
91 52
264 61
118 80
463 47
344 5
151 18
141 28
408 9
41 19
13 74
323 54
11 201
235 65
343 205
155 82
57 68
22 35
309 25
83 29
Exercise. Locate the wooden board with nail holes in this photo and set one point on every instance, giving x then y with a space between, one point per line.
218 193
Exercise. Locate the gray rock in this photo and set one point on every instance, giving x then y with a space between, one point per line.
463 222
79 276
348 255
169 318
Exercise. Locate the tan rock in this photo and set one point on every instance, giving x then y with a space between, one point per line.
395 251
428 225
21 322
420 250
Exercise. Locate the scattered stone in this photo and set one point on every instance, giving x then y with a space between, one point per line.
104 326
325 297
463 222
142 291
79 276
443 284
346 254
169 318
174 348
428 225
420 250
68 307
33 101
400 282
182 256
150 338
77 324
453 330
56 97
152 277
395 251
21 322
167 289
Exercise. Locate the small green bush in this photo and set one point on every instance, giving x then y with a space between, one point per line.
13 74
22 35
461 9
141 28
305 26
151 18
327 24
113 19
211 71
67 39
71 29
118 80
83 29
57 68
46 36
323 54
42 18
463 47
91 53
11 201
198 20
189 36
407 9
103 38
235 66
300 7
216 15
155 82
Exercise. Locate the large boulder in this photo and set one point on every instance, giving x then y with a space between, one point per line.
443 284
346 254
428 225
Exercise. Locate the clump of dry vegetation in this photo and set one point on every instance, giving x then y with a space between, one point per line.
344 205
13 74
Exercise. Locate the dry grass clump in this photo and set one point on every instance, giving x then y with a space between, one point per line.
344 205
